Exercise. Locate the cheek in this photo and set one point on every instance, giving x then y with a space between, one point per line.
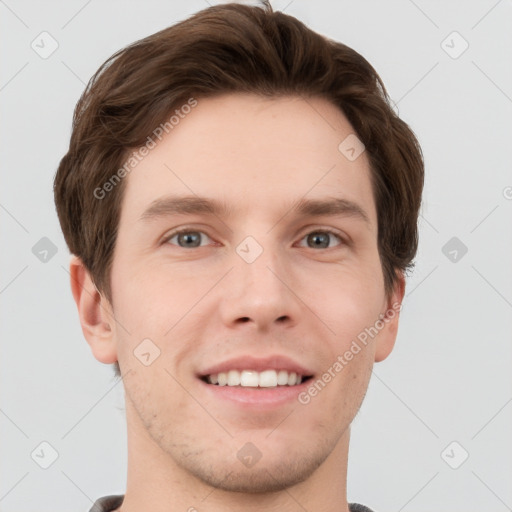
160 305
349 308
148 298
142 315
348 301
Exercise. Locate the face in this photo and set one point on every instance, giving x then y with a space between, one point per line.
275 271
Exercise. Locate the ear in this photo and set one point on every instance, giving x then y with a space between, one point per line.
95 312
387 336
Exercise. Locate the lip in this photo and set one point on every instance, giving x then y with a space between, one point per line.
259 364
255 399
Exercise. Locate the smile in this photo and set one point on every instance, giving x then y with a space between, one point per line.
255 379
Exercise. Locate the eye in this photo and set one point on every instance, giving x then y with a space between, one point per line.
187 238
321 238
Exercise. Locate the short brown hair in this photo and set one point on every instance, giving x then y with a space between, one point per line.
229 48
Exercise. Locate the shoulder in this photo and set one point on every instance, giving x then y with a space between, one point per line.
107 503
356 507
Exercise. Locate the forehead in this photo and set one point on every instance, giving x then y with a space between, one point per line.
252 152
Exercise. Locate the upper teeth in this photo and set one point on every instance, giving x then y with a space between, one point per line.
254 379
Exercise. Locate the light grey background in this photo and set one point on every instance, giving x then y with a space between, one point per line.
449 376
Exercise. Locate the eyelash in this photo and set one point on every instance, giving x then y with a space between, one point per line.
189 230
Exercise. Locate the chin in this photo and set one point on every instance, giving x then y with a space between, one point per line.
269 474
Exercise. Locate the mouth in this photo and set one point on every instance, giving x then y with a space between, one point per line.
256 384
270 378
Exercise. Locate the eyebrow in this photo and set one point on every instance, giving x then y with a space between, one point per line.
193 205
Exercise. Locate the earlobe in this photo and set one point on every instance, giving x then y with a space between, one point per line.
95 313
387 337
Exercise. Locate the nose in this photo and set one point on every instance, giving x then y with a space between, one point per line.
262 293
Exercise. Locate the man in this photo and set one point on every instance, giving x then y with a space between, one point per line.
241 204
